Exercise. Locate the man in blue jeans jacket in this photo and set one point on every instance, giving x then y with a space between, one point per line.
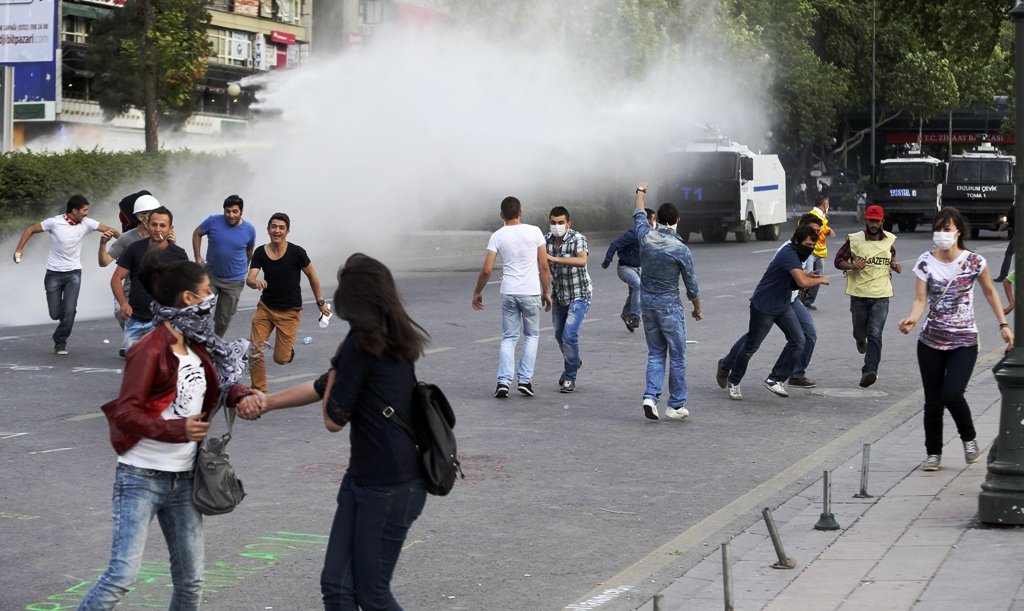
628 270
664 258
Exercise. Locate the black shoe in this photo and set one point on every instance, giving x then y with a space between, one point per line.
501 392
121 353
862 345
526 389
722 375
868 379
567 386
60 349
999 279
810 306
801 383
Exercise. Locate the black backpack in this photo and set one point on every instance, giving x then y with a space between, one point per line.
431 431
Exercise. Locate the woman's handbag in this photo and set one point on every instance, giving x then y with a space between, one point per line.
215 487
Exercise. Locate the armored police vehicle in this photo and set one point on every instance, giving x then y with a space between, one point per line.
909 188
720 186
980 185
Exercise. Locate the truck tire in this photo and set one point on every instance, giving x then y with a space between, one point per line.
768 233
975 233
714 234
746 232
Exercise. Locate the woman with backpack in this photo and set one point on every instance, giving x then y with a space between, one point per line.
383 491
947 347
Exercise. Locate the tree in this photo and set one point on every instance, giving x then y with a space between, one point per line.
150 54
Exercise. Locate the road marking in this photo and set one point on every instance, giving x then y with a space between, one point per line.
665 555
761 252
81 417
436 350
53 450
498 338
298 376
722 297
10 337
12 435
494 282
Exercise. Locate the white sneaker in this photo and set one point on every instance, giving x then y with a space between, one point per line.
776 387
676 414
734 392
650 409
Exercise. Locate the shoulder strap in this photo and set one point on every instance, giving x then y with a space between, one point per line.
948 284
229 416
392 415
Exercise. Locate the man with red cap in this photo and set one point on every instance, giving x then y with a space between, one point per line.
867 259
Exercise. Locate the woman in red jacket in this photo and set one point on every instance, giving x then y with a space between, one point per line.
173 377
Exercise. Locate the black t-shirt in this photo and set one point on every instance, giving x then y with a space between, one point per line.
131 259
283 291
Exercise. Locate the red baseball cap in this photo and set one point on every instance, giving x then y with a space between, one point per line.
874 213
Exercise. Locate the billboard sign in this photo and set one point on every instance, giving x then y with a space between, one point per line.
28 31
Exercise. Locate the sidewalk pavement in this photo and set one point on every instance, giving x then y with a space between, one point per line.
917 544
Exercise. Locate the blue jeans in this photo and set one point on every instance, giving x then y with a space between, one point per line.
518 312
134 329
62 300
868 323
567 320
760 324
140 494
631 276
665 330
369 529
813 264
810 338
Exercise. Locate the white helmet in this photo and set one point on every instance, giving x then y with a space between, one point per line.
145 203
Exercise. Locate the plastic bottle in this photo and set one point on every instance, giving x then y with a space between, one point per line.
307 340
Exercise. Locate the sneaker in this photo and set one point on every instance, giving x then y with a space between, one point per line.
776 387
932 462
971 452
868 379
567 386
628 323
802 383
501 391
60 348
676 414
650 409
810 306
561 379
734 392
862 345
526 389
722 375
121 353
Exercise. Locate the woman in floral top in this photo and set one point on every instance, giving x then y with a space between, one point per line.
947 347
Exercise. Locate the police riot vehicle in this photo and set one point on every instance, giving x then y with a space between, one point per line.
909 188
979 184
721 187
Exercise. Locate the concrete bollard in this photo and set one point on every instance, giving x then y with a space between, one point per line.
865 462
659 602
827 521
785 562
727 577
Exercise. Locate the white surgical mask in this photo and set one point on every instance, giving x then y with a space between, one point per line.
944 240
559 230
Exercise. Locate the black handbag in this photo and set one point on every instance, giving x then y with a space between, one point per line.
216 488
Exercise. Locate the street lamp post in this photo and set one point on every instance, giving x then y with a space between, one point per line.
873 22
1002 494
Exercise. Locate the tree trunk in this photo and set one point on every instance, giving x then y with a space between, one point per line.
949 151
149 82
920 131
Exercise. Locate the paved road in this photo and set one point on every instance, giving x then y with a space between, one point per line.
562 491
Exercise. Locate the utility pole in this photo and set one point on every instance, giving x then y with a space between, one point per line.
1002 494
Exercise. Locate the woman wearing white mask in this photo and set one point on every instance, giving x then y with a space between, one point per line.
947 347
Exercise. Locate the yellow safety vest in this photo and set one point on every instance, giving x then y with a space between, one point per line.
874 280
820 248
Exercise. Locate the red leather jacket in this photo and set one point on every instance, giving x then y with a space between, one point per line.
148 386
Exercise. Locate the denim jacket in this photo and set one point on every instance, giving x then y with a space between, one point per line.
664 258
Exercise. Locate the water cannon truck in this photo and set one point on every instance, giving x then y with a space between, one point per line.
980 185
909 188
722 187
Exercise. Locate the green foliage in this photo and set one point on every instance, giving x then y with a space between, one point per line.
36 185
167 48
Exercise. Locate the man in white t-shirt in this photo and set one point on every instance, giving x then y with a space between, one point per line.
525 287
64 265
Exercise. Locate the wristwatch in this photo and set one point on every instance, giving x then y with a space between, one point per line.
320 303
641 190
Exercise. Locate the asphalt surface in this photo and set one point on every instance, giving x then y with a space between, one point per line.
562 492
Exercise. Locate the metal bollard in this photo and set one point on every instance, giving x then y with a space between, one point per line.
727 577
827 521
659 602
866 460
785 562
